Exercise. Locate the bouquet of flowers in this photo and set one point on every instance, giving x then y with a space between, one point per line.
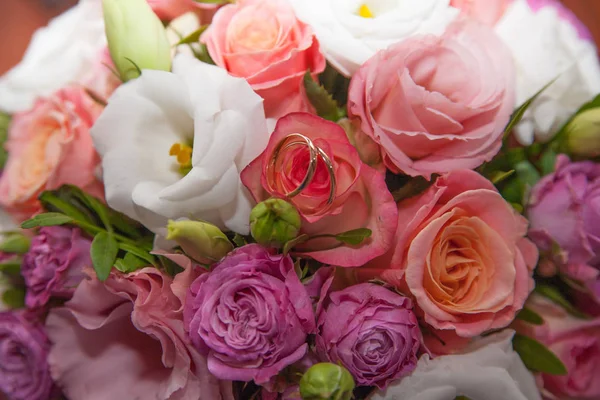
302 199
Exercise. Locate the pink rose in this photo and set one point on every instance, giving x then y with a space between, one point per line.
361 198
124 339
370 330
50 145
486 11
575 341
263 42
436 104
564 212
250 315
461 254
54 264
171 9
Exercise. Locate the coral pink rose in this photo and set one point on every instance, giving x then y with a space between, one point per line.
125 339
49 146
361 198
575 341
486 11
171 9
462 255
436 104
263 42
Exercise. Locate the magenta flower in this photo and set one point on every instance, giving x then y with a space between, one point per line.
372 331
54 264
564 215
24 372
250 315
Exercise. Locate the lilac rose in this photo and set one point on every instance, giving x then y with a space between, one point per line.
54 264
372 331
564 218
24 372
250 315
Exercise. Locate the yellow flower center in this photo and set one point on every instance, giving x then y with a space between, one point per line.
183 154
365 12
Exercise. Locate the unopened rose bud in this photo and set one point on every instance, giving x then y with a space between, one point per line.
274 222
326 381
201 241
136 38
583 134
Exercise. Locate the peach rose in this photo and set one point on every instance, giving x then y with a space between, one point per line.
263 42
436 104
461 253
361 198
50 146
487 11
171 9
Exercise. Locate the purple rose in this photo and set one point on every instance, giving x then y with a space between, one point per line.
24 373
372 331
564 217
250 315
54 264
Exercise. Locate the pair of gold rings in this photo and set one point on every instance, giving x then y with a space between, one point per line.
315 152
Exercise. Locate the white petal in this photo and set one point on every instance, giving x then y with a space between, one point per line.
59 54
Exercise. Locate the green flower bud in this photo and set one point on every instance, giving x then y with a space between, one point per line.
201 241
274 222
136 38
583 134
326 381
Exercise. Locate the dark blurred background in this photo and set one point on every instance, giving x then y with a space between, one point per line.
20 18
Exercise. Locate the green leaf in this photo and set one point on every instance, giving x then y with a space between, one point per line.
554 295
354 237
530 316
15 243
500 176
4 124
239 240
193 37
537 357
139 252
104 252
14 298
55 202
517 116
322 100
12 267
130 263
295 242
547 161
46 219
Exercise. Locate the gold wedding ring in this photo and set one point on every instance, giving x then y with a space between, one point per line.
295 139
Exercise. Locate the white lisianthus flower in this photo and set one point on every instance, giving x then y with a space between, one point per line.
173 145
351 31
489 370
61 53
180 28
547 43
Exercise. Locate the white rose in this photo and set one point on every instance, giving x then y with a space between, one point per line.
545 46
61 53
489 370
197 103
348 39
